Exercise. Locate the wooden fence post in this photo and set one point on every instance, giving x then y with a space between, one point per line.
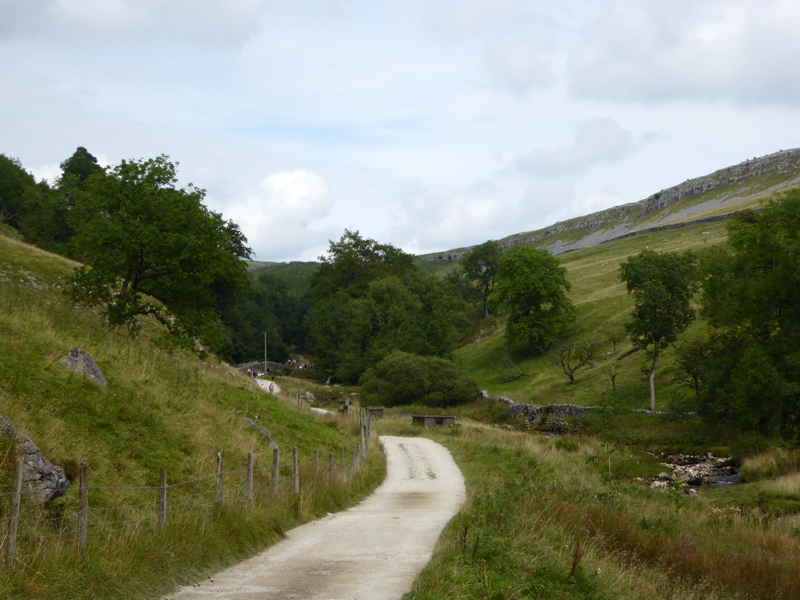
220 474
276 469
363 435
83 508
369 430
249 478
162 500
11 543
316 464
344 464
296 471
330 467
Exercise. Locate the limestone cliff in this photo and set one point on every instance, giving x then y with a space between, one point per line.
769 173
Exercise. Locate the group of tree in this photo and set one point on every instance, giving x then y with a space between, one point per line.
148 247
40 211
152 248
268 320
368 299
747 370
526 285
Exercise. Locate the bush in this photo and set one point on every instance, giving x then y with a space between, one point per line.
403 378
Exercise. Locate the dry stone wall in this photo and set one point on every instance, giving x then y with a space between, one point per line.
547 418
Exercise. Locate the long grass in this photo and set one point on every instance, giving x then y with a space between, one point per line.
532 500
163 407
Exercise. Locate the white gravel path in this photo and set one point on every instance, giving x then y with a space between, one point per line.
264 383
372 551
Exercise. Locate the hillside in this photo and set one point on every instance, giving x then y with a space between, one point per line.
687 216
603 306
695 200
163 408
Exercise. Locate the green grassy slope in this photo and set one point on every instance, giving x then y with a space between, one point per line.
156 396
568 518
163 407
603 305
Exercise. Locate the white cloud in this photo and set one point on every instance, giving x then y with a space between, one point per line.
437 221
425 125
519 66
600 140
49 173
276 217
298 195
717 50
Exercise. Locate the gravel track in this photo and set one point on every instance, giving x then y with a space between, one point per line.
372 551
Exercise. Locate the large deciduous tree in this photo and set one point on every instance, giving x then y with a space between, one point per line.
532 292
662 286
82 164
154 249
750 375
353 263
480 267
368 299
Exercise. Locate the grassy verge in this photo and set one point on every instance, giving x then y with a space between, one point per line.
544 520
151 563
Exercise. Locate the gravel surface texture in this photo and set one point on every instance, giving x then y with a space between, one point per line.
372 551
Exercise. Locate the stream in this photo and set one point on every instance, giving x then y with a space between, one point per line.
702 472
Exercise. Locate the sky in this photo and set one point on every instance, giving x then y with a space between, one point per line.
429 125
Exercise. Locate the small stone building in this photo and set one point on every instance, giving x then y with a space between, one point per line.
433 422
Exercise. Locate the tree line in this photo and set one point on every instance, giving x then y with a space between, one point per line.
150 248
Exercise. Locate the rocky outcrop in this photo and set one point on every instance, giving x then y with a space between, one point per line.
264 431
547 418
41 480
617 222
778 163
77 360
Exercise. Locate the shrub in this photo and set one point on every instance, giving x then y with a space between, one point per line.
403 378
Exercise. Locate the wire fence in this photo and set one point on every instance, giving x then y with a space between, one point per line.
26 531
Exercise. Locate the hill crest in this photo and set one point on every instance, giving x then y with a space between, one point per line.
710 197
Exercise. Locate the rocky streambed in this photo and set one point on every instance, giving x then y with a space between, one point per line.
694 473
